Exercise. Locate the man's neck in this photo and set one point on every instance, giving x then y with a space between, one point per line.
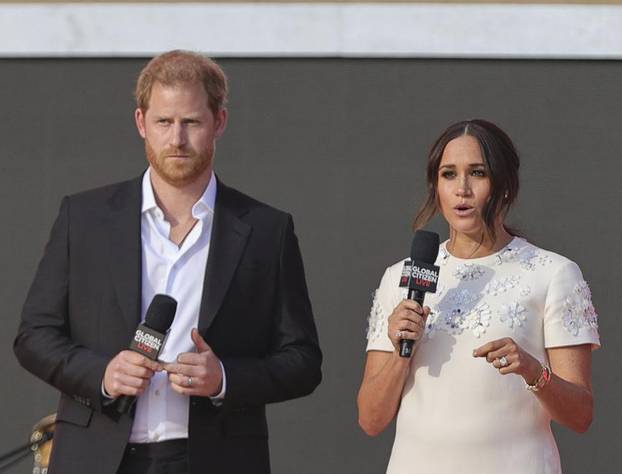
176 202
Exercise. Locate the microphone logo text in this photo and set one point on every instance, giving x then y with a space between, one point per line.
147 342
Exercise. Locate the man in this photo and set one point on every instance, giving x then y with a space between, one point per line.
243 334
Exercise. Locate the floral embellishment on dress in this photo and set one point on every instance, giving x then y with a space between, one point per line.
513 314
508 254
467 271
377 324
579 311
531 257
443 255
528 256
501 285
478 319
459 312
525 290
431 325
543 259
454 308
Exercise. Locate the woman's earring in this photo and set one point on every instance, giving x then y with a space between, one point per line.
506 195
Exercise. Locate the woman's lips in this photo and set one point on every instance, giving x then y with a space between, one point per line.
463 210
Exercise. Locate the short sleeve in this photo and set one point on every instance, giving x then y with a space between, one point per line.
569 315
386 297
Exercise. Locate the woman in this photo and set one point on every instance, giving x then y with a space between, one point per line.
504 345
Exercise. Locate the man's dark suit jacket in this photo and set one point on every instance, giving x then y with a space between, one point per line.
84 305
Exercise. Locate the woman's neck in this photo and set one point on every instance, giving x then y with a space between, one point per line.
476 246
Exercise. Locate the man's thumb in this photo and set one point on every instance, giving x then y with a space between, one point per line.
199 342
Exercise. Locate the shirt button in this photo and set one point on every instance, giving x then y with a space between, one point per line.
157 393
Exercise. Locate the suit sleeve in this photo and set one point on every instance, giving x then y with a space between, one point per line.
43 344
292 369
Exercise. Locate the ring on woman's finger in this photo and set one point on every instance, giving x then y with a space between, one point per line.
189 381
503 362
398 334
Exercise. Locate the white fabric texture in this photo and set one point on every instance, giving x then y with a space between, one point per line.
458 413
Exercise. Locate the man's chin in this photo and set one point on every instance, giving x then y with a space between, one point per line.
180 176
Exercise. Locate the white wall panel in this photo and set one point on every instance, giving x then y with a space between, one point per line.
325 30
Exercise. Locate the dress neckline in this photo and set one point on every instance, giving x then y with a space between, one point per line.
507 248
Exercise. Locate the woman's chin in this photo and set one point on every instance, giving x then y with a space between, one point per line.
468 229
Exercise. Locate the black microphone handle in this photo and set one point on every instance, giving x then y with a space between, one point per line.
406 345
124 404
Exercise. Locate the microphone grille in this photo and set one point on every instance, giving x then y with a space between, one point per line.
160 313
425 246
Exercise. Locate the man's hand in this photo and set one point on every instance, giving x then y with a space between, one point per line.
129 373
196 373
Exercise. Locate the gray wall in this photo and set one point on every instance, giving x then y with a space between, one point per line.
341 144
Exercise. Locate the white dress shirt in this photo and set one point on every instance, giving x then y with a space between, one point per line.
162 413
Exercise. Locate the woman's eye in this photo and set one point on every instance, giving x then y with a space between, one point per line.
481 173
447 174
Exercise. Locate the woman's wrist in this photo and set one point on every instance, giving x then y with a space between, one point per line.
400 361
533 374
542 379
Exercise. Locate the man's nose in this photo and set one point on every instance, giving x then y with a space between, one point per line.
178 138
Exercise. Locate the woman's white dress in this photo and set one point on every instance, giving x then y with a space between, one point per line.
458 414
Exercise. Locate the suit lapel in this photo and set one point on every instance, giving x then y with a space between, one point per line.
125 249
227 243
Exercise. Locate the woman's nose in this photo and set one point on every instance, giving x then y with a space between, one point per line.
463 188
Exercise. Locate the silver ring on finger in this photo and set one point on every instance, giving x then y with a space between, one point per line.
189 382
398 334
503 361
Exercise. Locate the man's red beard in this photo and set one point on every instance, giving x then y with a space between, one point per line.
183 171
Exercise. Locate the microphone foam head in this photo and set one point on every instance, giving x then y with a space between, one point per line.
425 246
160 313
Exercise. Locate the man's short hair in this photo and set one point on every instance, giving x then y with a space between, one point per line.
183 67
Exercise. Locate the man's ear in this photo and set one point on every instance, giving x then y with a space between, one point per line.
139 117
220 120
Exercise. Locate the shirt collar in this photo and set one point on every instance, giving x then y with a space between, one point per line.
205 205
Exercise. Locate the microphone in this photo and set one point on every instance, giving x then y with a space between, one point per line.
421 274
149 337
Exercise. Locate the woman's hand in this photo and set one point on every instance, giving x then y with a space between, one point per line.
507 356
568 396
407 321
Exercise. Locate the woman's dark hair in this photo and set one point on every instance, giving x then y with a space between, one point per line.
502 163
